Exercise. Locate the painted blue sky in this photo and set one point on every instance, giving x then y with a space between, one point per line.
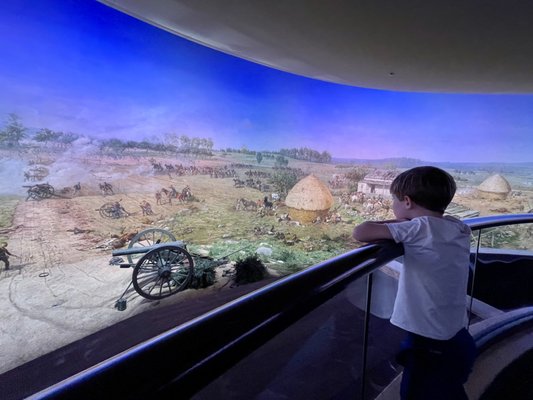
80 66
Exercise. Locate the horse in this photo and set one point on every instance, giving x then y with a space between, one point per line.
106 188
246 205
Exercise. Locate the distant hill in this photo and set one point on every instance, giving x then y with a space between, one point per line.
383 162
403 162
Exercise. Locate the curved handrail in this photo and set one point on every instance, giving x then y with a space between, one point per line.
495 330
498 220
248 323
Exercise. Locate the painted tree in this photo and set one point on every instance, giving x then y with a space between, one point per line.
185 143
67 138
283 181
13 132
209 144
46 135
281 161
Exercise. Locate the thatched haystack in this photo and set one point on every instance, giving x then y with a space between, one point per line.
308 199
494 187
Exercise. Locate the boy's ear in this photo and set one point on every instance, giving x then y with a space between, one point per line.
408 202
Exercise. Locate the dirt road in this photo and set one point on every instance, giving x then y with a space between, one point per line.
61 287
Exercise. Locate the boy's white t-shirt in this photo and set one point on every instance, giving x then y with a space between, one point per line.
431 299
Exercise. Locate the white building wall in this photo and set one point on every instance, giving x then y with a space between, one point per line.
375 189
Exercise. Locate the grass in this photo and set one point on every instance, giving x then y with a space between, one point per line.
212 223
7 212
210 220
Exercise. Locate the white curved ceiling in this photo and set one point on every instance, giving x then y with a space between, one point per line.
462 46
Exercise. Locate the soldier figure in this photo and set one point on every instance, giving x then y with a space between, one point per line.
4 254
173 192
146 208
118 210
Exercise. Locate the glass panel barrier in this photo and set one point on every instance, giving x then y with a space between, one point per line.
320 356
504 266
383 337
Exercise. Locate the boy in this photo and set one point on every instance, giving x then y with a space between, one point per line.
431 305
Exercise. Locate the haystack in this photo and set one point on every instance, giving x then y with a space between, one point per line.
308 199
494 187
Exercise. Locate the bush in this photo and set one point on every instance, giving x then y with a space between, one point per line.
204 273
250 269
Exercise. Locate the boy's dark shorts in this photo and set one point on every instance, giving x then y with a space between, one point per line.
436 369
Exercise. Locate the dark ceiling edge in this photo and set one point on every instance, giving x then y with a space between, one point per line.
414 88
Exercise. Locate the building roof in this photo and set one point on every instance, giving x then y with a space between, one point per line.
380 176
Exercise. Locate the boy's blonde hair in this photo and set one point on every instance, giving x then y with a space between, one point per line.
429 187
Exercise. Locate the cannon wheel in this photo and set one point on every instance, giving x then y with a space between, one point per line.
148 237
33 195
46 191
162 272
106 211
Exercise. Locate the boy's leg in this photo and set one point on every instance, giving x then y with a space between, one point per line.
436 369
460 353
423 378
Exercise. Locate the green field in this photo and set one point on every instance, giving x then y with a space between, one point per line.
7 212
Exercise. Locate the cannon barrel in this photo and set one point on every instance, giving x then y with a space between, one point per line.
146 249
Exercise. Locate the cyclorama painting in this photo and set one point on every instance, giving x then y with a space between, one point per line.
69 201
139 170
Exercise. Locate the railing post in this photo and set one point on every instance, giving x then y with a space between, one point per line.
472 285
365 333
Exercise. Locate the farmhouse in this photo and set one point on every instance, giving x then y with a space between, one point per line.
377 182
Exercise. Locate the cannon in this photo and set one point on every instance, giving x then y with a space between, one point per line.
40 191
162 266
113 209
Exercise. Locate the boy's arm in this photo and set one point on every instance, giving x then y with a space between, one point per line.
370 231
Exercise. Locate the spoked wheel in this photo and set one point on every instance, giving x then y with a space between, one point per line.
33 195
163 272
48 191
108 210
146 238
